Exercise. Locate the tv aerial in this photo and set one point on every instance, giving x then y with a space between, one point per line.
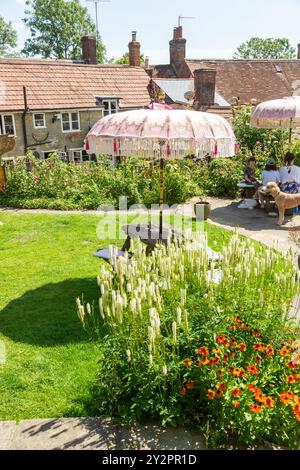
180 18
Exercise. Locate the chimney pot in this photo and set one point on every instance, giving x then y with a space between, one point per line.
89 49
205 88
134 51
177 48
298 55
146 62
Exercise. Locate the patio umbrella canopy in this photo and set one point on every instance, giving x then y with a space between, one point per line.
283 113
141 133
161 133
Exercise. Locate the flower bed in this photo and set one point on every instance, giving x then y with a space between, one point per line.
183 347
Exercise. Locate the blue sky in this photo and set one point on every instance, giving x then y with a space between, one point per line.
219 28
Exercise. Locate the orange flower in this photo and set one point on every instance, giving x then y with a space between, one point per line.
256 334
258 360
203 351
217 352
270 350
253 388
236 404
187 363
296 408
297 416
225 358
286 397
253 370
259 347
233 327
238 372
233 343
291 365
291 379
260 397
205 361
214 361
285 351
183 391
236 392
222 340
242 347
219 394
256 408
221 386
269 402
211 395
219 374
190 385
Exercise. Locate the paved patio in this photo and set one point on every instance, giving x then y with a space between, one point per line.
256 224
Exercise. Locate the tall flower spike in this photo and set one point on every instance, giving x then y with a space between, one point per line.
174 332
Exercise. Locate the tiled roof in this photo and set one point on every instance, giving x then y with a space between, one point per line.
66 85
176 89
253 79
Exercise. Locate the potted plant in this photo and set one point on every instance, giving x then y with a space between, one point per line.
202 209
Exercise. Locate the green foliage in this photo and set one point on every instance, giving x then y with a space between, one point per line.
125 59
224 176
8 37
158 311
272 141
56 28
53 184
258 48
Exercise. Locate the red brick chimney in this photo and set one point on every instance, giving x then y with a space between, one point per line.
177 48
204 88
134 51
89 49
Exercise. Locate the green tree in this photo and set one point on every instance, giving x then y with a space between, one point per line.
272 141
125 59
8 36
258 48
57 27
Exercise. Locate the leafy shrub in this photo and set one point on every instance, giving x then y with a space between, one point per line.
273 141
159 311
224 176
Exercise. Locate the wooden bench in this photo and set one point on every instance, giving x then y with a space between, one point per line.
248 189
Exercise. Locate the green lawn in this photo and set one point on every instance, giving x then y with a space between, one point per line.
45 263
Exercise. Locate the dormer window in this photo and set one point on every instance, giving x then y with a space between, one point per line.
278 68
110 104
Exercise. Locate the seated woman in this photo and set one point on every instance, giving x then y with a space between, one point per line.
250 171
269 175
290 175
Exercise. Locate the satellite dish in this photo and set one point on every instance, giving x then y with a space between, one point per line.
189 95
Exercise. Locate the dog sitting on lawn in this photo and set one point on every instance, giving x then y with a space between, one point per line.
283 200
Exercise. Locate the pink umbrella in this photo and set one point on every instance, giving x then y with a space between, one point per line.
159 106
152 133
283 113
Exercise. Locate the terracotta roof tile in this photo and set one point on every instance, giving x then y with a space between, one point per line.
253 79
66 85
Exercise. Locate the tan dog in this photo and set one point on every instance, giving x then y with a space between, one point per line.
283 200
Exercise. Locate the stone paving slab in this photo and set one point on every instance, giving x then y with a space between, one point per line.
93 434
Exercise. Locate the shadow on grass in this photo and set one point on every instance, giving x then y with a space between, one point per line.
47 316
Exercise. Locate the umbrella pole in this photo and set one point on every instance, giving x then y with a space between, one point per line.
290 136
161 191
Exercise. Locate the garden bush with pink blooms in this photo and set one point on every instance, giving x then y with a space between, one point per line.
200 343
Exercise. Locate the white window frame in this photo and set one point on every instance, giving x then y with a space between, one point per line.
70 122
2 116
34 120
71 154
109 106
